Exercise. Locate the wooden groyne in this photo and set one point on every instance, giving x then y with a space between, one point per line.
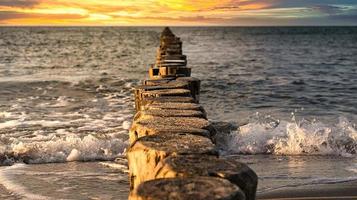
172 153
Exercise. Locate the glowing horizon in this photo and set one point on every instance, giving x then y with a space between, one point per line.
177 12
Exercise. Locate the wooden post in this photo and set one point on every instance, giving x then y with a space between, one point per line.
172 153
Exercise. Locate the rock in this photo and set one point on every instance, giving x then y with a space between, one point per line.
199 188
146 153
206 165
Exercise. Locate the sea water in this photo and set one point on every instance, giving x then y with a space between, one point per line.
284 99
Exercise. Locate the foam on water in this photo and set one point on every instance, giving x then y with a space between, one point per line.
69 148
119 164
78 121
270 136
14 187
352 168
43 123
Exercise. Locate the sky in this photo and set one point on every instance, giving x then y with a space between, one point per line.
178 12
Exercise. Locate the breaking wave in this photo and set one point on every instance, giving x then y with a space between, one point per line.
63 149
266 135
57 121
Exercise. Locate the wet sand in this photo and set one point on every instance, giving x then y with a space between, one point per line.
346 190
71 180
5 194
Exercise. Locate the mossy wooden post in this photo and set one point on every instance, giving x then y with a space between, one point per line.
172 152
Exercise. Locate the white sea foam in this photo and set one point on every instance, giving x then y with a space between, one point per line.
126 125
294 138
43 123
63 137
62 101
352 168
5 114
118 166
69 148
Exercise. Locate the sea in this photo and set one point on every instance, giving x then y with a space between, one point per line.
283 99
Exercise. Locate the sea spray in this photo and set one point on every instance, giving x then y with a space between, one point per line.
280 137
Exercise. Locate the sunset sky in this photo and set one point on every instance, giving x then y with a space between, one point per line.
178 12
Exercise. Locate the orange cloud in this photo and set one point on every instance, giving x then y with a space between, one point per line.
139 12
187 5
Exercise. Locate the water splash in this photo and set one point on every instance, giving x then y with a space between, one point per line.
266 135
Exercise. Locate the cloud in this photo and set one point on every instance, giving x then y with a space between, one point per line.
6 15
237 5
19 3
338 13
328 9
99 7
177 20
180 12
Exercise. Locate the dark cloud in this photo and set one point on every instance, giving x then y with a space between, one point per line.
195 19
347 17
328 9
331 20
310 3
341 14
4 15
19 3
198 18
8 15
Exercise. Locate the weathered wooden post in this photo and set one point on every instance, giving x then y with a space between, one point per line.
172 153
170 62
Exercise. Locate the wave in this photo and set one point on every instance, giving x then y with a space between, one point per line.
266 135
65 121
64 149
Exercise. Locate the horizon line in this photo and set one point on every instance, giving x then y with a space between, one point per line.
297 25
